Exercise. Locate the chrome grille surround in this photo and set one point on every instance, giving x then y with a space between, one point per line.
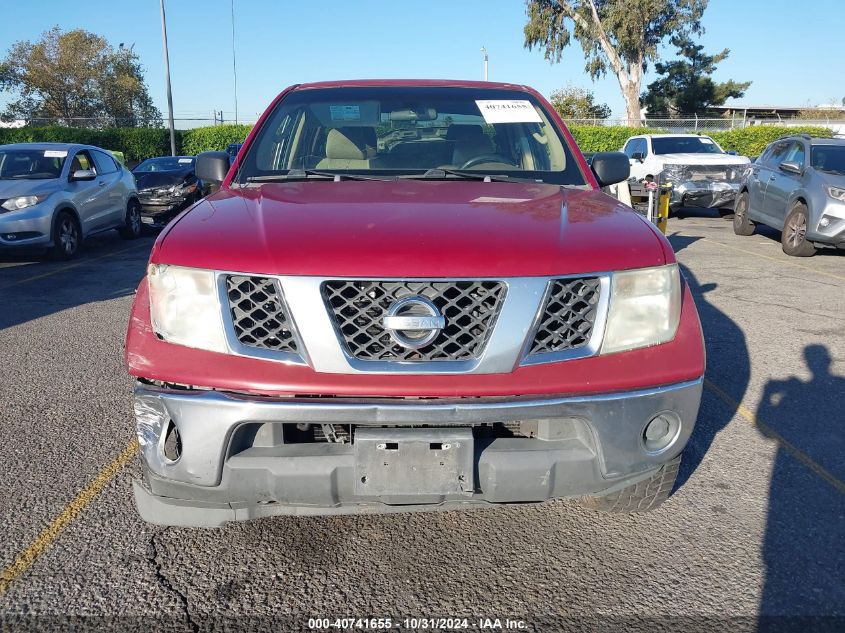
358 307
569 315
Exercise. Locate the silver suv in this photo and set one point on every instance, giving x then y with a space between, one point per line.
55 195
797 186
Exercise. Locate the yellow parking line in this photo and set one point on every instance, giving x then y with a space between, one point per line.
780 260
73 265
769 432
27 557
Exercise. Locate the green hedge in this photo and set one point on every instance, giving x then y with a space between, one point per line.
605 138
215 138
749 141
136 143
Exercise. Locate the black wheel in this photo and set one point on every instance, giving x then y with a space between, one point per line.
742 225
131 228
642 496
67 238
794 235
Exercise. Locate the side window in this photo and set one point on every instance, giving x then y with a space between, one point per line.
82 161
796 154
105 163
777 154
636 146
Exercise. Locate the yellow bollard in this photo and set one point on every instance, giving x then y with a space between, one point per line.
663 208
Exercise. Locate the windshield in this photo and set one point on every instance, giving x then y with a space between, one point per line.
684 145
828 158
31 164
391 131
168 163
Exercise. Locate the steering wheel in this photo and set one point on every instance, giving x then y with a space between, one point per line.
487 158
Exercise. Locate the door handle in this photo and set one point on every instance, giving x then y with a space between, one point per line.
771 178
102 183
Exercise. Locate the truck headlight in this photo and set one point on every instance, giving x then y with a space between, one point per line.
21 202
645 308
184 307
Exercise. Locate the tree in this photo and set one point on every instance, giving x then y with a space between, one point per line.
620 35
574 102
685 86
73 75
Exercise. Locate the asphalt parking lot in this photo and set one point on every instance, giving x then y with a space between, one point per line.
754 531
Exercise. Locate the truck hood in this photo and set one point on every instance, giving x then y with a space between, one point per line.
699 158
411 228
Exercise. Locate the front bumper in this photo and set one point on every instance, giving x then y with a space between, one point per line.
237 462
704 194
156 212
28 227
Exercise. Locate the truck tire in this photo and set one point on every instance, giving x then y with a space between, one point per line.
794 235
642 496
742 225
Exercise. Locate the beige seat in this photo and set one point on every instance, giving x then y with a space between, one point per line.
350 148
469 141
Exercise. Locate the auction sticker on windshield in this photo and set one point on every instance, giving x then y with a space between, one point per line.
55 153
508 111
345 112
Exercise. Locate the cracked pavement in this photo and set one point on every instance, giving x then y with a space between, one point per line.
751 533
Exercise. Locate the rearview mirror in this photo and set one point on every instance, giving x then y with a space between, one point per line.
790 167
212 166
610 168
83 174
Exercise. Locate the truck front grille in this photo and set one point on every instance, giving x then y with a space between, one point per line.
568 316
358 307
258 313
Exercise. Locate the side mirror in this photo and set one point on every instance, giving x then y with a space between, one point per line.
638 156
610 168
790 167
212 167
83 174
732 152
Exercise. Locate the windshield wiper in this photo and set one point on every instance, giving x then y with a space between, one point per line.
439 173
305 174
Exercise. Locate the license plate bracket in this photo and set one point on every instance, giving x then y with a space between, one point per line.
416 462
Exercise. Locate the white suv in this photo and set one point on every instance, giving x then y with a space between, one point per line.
702 174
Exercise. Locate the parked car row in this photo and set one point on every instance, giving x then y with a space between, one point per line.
55 195
797 185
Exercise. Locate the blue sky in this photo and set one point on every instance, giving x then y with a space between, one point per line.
790 52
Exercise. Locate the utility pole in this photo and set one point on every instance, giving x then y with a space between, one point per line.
167 80
484 50
234 64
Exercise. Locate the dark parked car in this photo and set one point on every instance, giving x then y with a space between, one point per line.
797 186
166 186
232 149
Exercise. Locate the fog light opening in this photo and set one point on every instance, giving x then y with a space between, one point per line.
172 445
661 432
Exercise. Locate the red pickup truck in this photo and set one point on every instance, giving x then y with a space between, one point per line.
409 295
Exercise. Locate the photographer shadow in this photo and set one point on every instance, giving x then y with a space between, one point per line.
804 546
